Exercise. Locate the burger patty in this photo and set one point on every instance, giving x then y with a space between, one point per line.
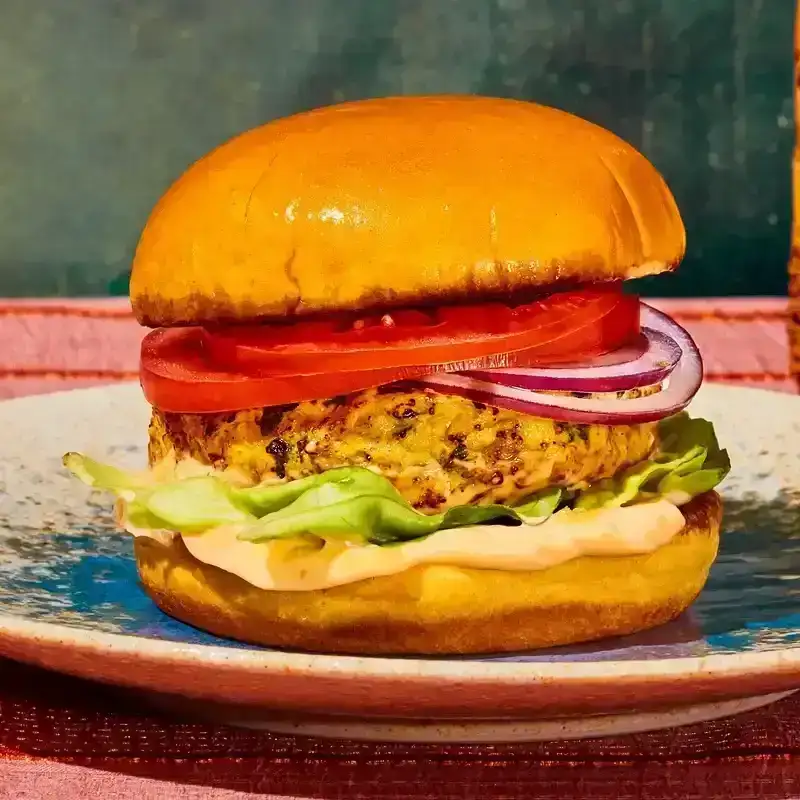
438 450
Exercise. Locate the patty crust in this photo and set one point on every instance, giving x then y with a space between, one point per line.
438 450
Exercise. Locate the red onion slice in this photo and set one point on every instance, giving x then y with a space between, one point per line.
629 352
657 359
680 387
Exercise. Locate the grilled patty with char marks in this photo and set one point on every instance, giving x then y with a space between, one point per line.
438 450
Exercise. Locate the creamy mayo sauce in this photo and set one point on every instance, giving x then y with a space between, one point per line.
307 565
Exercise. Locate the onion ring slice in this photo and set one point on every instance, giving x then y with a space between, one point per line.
679 389
658 355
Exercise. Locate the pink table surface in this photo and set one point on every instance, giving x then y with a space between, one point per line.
61 738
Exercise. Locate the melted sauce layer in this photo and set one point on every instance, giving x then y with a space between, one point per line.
308 564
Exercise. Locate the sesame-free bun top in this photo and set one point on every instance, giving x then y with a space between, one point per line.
401 201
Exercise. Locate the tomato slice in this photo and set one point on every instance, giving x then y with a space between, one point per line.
176 376
565 326
197 371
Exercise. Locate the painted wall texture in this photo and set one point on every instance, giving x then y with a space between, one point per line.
104 102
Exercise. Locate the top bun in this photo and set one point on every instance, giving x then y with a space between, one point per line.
401 201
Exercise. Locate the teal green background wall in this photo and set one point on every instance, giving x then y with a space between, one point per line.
104 102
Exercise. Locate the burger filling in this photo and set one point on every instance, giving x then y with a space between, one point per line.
439 451
465 484
321 452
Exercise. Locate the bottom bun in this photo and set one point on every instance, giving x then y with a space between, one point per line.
442 609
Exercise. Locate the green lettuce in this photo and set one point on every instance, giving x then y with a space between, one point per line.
341 508
356 504
689 461
349 502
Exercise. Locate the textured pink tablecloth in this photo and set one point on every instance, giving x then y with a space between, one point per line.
61 738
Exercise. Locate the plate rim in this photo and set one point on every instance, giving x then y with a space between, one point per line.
325 665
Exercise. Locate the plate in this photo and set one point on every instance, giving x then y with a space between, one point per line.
69 600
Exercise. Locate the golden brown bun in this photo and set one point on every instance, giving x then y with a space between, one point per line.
401 201
437 609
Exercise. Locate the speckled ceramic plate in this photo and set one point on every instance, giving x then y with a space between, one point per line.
69 600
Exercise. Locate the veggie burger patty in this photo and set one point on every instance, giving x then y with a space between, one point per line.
438 450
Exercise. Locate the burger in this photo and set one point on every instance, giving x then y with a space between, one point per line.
400 400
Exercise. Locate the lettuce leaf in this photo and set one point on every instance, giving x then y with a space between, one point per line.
356 504
343 509
190 505
689 462
349 502
268 498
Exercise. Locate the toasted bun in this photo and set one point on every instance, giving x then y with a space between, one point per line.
401 201
438 609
